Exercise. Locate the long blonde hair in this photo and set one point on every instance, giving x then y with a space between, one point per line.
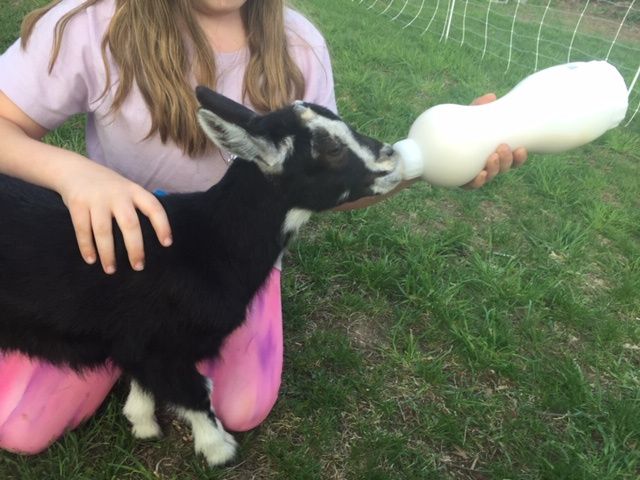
148 45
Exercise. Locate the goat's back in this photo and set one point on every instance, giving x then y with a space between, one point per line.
185 301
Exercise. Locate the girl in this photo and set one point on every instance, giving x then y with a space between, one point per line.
131 67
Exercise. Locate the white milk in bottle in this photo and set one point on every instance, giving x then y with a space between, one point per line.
553 110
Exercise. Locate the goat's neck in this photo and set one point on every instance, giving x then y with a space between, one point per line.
252 217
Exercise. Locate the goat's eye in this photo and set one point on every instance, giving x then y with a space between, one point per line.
332 148
335 150
336 156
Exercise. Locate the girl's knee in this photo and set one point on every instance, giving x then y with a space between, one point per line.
241 410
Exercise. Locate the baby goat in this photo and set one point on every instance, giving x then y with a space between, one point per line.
157 324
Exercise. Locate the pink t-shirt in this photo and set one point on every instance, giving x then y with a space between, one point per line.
117 141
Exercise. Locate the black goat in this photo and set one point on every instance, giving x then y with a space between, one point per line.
157 324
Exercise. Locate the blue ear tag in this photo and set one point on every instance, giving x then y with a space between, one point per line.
160 193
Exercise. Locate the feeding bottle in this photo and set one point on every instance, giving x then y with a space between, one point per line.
553 110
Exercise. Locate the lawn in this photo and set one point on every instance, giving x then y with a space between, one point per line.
443 334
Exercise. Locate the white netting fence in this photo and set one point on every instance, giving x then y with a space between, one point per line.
529 35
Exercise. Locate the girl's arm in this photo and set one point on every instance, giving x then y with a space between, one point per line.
93 193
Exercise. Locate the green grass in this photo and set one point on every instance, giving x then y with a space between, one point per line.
443 334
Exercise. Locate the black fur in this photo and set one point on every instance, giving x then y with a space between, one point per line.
158 323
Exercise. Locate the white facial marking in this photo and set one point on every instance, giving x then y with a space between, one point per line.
281 153
295 219
387 183
339 129
305 112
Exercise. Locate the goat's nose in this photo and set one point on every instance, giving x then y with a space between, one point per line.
388 157
387 150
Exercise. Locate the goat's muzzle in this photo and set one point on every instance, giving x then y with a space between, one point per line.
389 173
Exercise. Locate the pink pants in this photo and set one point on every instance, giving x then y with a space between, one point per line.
39 402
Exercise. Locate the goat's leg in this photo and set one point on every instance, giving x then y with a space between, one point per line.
209 436
140 411
181 386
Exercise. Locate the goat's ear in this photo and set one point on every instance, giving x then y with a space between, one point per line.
228 136
224 107
233 127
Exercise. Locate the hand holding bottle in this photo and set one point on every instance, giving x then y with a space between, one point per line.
553 110
501 160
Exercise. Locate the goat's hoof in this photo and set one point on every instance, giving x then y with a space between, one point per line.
218 452
146 431
229 439
226 435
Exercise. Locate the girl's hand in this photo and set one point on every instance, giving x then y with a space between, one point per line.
500 161
95 196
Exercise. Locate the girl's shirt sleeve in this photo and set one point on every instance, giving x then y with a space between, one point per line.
49 98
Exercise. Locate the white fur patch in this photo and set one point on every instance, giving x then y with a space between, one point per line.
305 112
295 219
140 411
208 384
209 438
387 183
281 153
340 130
345 196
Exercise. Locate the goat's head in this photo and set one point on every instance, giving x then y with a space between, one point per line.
319 161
